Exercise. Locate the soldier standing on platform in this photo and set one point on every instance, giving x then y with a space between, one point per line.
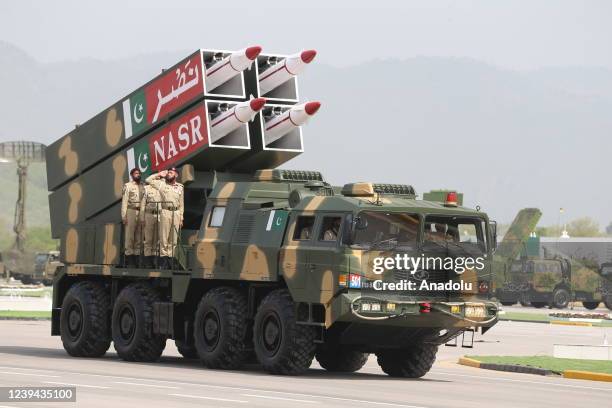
150 213
130 209
171 218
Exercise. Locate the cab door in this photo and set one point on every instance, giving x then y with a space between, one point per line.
324 257
294 255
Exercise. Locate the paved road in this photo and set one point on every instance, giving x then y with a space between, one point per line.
29 356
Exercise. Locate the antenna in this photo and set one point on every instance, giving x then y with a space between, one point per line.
22 153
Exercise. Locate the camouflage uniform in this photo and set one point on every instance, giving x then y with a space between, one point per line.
150 213
171 216
130 208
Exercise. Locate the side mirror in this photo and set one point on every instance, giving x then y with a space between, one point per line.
360 223
493 227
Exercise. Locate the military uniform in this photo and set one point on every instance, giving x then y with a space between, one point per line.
171 216
130 208
150 213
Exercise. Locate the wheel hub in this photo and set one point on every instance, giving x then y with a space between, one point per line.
75 320
211 329
272 333
127 323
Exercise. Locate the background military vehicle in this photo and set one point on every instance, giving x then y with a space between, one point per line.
46 265
272 263
545 275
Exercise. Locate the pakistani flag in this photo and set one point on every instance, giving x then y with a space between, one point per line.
135 113
277 220
139 156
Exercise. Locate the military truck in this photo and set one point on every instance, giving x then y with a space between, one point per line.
273 265
543 282
45 266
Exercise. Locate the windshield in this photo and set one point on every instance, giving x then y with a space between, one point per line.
40 259
386 230
465 233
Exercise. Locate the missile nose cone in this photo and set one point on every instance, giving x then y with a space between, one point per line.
312 107
308 55
257 104
252 52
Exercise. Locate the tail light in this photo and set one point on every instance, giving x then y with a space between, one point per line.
424 307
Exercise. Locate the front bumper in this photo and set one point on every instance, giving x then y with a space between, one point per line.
400 312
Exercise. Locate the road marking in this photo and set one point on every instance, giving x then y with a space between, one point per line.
391 404
554 384
7 406
147 385
29 374
75 385
279 398
208 398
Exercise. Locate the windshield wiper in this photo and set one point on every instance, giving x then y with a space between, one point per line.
377 244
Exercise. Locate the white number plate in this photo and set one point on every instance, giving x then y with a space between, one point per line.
475 311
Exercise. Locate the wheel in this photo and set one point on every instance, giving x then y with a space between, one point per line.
187 350
590 305
608 302
220 328
84 320
507 303
414 362
132 324
340 360
560 298
282 346
538 305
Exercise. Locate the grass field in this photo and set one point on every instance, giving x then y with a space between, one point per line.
42 292
536 317
557 365
24 314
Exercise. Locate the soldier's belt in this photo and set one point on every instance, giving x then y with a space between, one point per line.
134 206
171 208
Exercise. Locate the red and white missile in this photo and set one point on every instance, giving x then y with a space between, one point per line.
235 117
285 70
230 66
292 118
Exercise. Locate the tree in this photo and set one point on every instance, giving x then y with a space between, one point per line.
584 227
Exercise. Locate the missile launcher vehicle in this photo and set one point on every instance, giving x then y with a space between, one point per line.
272 264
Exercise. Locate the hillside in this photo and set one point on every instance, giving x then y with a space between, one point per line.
507 139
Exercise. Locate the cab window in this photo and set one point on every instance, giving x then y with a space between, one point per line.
216 216
303 228
330 229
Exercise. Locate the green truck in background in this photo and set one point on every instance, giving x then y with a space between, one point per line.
526 275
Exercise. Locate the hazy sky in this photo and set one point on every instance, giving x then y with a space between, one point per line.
512 34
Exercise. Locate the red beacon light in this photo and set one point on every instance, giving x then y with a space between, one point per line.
451 199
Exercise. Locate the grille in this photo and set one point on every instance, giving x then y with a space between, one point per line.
244 228
431 276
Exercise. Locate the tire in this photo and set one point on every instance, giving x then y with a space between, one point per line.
608 302
414 362
590 305
560 298
84 320
507 303
187 350
340 360
132 324
282 346
220 329
538 305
